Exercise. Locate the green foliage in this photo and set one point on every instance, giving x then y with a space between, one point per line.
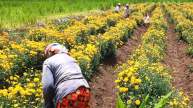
143 104
190 50
107 49
190 67
155 86
163 101
120 103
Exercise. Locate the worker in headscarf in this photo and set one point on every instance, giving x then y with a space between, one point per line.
127 11
118 8
64 85
146 19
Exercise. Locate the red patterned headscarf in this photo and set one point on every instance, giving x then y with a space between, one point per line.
55 48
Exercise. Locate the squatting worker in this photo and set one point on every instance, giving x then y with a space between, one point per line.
63 83
127 11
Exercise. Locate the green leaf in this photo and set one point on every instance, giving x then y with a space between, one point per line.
162 102
144 102
120 103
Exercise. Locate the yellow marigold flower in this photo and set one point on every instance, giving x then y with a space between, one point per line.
146 78
137 102
39 90
31 85
171 103
36 80
130 62
137 81
118 87
129 74
4 92
129 101
117 81
186 98
22 92
123 89
15 78
14 83
25 74
175 102
28 93
120 74
33 53
11 77
121 78
27 79
132 80
126 79
32 90
10 88
10 95
15 105
136 87
184 103
37 95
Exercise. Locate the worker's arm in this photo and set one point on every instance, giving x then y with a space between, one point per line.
48 86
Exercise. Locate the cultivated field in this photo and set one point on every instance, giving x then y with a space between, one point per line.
128 64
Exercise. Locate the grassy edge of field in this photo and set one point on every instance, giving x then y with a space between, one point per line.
19 14
48 19
22 14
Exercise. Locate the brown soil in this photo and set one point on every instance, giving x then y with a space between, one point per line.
177 60
102 84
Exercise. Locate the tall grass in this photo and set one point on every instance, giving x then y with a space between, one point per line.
13 13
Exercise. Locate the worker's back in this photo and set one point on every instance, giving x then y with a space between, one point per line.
67 74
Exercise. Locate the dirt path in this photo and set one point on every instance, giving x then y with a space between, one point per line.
102 85
177 60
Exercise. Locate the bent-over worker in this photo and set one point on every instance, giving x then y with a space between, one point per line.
64 85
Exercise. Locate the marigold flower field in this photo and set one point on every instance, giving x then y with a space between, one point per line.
142 82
